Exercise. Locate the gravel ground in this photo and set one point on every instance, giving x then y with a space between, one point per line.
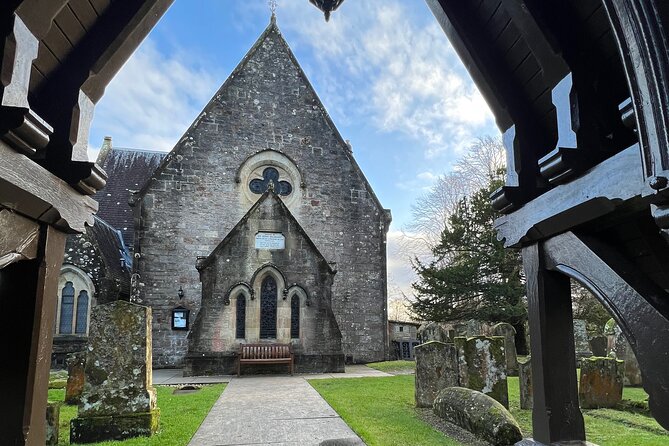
448 429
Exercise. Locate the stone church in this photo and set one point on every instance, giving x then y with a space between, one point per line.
259 226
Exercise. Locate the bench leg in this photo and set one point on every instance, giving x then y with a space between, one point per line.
239 367
291 368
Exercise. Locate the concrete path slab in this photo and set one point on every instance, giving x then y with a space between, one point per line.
169 377
274 410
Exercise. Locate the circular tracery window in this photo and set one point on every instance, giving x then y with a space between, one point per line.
270 176
270 166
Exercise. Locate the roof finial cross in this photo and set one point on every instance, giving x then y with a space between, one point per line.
272 7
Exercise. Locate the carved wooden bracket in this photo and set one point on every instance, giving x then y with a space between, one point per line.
21 127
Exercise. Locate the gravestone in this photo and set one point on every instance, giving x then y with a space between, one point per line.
598 345
581 344
76 363
436 369
610 333
479 414
509 333
482 366
432 331
622 350
118 400
525 379
601 383
52 422
474 328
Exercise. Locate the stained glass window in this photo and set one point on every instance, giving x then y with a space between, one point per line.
241 317
295 317
268 296
66 309
270 175
82 313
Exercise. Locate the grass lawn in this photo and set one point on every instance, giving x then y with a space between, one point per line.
180 416
380 410
394 366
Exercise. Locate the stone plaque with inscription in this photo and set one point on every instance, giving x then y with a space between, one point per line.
270 240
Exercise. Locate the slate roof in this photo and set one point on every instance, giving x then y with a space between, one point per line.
112 249
127 170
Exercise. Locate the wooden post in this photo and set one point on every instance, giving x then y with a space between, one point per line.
556 415
29 289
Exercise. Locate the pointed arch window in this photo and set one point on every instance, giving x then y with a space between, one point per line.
268 301
66 309
295 317
82 313
241 317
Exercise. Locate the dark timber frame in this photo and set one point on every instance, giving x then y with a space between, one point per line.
580 90
56 57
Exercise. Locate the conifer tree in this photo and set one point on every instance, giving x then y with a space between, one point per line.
471 276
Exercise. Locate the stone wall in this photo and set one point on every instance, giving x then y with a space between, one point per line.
266 109
236 269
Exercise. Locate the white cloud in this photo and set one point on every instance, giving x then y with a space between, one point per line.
153 99
400 273
402 72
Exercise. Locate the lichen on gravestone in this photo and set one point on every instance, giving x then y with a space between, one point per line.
436 369
601 382
482 366
479 414
118 392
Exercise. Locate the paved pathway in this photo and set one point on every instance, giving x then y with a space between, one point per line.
276 411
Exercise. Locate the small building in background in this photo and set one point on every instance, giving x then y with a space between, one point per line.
402 337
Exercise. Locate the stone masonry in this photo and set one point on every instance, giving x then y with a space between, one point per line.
265 114
233 271
436 369
118 400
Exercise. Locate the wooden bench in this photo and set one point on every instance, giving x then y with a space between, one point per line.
265 354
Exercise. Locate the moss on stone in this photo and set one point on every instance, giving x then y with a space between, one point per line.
479 414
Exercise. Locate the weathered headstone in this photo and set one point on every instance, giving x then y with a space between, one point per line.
509 333
622 350
52 422
474 328
432 331
598 345
610 333
601 383
581 344
436 369
482 366
525 379
76 363
479 414
118 400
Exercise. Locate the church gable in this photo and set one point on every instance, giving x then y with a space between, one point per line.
265 282
264 124
267 89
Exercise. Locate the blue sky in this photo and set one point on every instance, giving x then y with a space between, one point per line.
384 70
